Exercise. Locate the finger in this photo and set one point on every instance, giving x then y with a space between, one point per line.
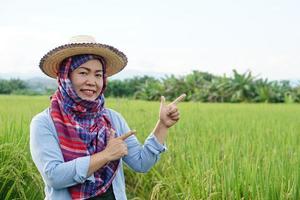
162 101
172 110
126 135
126 152
173 115
112 133
180 98
124 145
175 118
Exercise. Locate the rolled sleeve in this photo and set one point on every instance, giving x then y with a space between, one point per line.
140 157
49 159
154 145
81 169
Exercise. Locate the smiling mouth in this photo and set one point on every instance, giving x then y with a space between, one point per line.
88 92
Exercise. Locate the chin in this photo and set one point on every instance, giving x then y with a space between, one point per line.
93 98
90 99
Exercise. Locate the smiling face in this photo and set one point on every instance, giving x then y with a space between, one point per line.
87 80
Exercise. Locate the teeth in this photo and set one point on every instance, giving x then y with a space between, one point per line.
88 92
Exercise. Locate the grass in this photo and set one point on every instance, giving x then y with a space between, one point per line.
216 151
19 178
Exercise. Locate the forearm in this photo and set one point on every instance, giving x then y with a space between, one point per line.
59 174
97 161
160 131
142 157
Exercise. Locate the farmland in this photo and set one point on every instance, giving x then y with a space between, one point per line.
216 151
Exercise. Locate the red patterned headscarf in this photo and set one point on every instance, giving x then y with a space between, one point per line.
82 126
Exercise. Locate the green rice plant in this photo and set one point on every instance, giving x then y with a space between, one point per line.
216 151
223 151
19 178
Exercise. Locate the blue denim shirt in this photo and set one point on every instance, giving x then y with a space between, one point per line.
59 175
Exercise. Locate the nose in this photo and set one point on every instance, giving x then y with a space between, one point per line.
91 81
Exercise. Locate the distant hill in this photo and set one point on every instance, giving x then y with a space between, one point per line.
124 74
39 84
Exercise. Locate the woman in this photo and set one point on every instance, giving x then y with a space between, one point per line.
77 144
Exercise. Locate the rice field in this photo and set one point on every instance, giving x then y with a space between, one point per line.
216 151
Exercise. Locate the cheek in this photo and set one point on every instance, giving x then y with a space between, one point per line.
100 86
76 86
76 81
100 83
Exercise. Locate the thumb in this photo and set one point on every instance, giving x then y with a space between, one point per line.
162 101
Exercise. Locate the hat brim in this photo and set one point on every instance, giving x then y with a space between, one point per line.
115 59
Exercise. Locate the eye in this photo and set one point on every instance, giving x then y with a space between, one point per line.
83 73
99 75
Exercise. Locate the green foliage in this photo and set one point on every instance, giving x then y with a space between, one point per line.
127 87
205 87
199 86
151 89
12 85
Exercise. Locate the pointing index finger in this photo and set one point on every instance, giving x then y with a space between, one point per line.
180 98
126 135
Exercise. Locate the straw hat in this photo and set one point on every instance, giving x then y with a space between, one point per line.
83 44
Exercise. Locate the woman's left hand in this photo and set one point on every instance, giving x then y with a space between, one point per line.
168 113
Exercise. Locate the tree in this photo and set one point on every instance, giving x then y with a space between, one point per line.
12 85
242 87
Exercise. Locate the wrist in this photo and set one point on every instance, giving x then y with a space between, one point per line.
105 156
161 125
160 131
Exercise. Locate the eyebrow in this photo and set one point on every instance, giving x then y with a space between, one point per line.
99 70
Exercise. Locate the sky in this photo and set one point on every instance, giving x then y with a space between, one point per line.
159 36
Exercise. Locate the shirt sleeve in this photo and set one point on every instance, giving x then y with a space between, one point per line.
140 157
47 156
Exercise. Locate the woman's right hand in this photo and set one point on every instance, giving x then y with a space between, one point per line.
116 147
